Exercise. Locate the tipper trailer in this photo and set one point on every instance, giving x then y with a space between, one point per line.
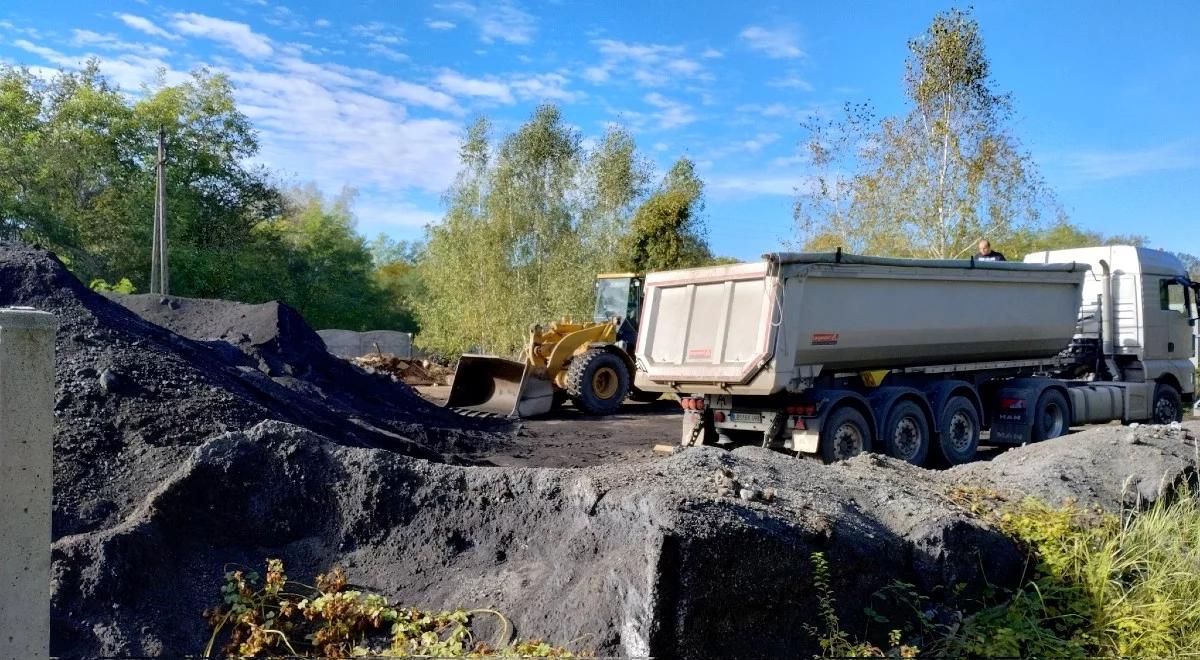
835 354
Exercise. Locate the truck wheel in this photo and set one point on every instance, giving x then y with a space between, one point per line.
1052 417
845 434
1168 405
598 382
905 433
959 436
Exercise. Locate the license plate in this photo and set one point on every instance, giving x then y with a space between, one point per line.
747 418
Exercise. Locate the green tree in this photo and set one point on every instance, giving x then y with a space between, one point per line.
526 230
933 182
325 267
667 230
1061 235
396 275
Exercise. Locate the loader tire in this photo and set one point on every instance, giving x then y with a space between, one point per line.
598 382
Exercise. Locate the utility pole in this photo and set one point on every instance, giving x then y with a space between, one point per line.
160 269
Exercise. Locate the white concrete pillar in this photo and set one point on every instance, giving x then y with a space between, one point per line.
26 465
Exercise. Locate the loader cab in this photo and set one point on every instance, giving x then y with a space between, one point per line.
619 296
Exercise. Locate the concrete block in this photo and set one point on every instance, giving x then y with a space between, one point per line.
351 344
26 464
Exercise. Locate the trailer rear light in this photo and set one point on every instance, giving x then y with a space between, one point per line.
1012 404
718 416
808 409
692 403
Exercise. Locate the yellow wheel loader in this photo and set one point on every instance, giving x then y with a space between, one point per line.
590 363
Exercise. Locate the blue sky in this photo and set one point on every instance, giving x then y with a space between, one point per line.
376 94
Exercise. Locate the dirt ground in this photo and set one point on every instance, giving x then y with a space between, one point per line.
569 438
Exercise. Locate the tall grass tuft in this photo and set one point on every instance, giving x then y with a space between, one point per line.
1124 585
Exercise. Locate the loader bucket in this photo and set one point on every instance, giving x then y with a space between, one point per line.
503 387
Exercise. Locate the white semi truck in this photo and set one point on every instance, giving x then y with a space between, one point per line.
835 354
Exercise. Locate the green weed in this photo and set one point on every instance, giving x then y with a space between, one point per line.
280 617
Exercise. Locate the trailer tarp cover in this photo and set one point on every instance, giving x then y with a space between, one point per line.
782 258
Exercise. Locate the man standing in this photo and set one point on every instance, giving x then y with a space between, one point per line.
986 253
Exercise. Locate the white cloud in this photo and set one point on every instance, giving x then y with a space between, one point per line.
711 53
544 87
778 43
595 74
440 25
110 42
237 36
387 52
48 54
341 133
792 81
746 185
651 65
322 23
385 211
756 143
671 114
143 24
379 33
456 83
1103 165
497 21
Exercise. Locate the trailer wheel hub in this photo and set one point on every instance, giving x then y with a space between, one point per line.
848 441
962 429
907 437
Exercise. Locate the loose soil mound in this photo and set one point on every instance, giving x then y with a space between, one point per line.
133 399
1112 466
629 559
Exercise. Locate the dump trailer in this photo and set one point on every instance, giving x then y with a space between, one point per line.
835 354
589 363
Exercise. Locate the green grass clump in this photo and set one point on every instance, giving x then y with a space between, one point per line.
1125 585
1097 585
278 617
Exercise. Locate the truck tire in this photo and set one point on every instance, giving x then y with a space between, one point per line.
844 435
598 382
905 433
958 437
1168 405
1051 417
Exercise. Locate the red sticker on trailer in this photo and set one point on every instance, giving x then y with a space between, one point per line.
824 338
700 353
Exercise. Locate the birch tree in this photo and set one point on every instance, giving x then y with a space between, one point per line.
934 181
526 230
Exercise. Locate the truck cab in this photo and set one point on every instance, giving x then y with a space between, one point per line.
1138 310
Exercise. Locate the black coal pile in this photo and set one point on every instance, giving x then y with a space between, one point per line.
272 341
624 559
133 398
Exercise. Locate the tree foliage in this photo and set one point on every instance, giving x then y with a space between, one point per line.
666 231
77 176
934 181
1061 235
533 219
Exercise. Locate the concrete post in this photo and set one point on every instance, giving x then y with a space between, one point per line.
26 450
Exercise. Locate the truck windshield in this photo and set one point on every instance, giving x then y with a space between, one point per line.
612 298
